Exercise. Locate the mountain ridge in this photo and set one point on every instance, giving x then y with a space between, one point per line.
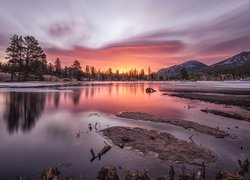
191 66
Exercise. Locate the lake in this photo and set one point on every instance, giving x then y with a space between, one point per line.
39 127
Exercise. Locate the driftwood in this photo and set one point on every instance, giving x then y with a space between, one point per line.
104 150
191 137
78 135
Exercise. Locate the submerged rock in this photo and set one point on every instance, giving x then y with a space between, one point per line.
150 90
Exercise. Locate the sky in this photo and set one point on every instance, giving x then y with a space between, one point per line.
125 34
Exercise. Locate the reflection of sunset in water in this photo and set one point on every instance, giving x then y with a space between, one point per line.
45 122
112 99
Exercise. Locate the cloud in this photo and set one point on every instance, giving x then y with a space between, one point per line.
161 34
58 30
141 48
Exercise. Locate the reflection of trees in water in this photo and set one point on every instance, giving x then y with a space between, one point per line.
76 96
90 92
23 109
57 99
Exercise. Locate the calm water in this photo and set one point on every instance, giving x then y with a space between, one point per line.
38 128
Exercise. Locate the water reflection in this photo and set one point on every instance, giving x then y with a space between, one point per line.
64 123
22 109
76 96
56 99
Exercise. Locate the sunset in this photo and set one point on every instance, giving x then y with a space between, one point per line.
124 90
127 34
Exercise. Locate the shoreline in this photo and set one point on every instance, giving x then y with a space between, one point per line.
213 98
177 122
42 84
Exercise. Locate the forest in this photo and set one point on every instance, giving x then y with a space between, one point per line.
26 61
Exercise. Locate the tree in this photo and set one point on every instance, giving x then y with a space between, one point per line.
184 74
77 70
142 73
87 71
92 69
149 73
15 55
58 67
34 57
149 70
50 69
65 72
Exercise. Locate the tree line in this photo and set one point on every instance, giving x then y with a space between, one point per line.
26 60
89 72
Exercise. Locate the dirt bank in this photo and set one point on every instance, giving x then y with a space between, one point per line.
244 116
243 101
165 145
209 91
178 122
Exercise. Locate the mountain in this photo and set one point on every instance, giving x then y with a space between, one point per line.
236 61
235 67
190 66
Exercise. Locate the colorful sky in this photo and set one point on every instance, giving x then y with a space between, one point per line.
124 34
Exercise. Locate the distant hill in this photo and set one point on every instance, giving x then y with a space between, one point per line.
190 66
235 62
235 67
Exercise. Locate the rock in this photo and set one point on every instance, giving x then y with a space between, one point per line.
150 90
107 173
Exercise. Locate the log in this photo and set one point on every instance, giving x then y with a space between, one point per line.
103 151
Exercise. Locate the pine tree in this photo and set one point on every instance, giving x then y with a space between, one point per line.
15 55
77 70
58 67
34 57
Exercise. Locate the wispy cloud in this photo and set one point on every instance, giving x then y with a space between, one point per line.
117 32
